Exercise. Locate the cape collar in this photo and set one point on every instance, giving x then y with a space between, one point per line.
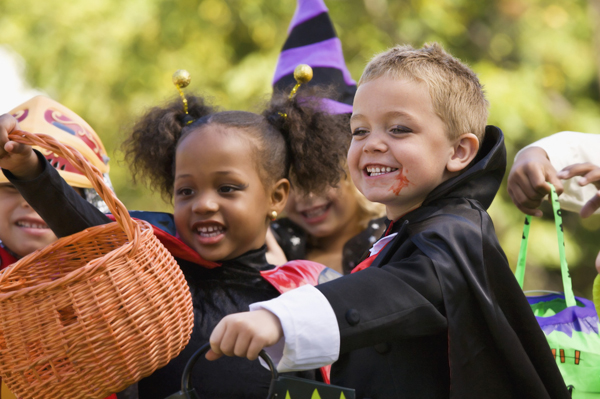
482 179
255 258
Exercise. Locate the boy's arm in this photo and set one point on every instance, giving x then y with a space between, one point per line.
399 300
61 207
379 304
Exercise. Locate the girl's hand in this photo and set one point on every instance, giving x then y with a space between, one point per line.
244 334
591 175
17 158
527 180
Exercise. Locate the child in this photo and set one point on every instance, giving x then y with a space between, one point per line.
230 178
334 229
570 153
437 313
338 227
22 230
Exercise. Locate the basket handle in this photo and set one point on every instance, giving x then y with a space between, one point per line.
90 171
564 267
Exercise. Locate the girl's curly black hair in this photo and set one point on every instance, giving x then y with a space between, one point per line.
150 148
293 138
317 142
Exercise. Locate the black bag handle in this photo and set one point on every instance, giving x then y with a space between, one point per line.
188 391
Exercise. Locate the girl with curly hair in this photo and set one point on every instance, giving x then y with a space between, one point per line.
229 174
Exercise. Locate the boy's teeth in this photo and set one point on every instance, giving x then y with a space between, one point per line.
32 225
376 171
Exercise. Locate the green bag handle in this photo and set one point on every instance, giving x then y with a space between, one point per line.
564 268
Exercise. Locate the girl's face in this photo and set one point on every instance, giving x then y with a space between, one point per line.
222 208
324 215
22 230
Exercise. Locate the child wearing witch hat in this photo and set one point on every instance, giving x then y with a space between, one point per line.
22 230
337 227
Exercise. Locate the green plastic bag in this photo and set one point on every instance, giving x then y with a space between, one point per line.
570 323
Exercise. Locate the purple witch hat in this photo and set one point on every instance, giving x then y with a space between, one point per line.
312 40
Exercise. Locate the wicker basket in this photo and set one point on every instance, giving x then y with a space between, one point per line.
94 312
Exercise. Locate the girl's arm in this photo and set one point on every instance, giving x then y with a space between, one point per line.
61 207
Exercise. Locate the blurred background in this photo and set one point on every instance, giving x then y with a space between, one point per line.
108 60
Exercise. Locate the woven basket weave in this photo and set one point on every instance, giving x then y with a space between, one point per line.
94 312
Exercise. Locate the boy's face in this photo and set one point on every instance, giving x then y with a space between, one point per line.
22 230
400 147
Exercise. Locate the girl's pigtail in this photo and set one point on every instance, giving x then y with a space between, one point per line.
317 142
150 148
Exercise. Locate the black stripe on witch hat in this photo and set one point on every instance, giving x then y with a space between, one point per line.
312 40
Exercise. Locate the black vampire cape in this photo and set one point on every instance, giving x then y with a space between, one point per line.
216 292
443 284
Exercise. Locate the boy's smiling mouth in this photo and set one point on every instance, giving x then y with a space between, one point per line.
378 170
33 226
27 225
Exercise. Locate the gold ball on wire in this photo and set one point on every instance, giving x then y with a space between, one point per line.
303 73
181 78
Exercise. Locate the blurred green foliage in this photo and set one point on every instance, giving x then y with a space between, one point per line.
108 60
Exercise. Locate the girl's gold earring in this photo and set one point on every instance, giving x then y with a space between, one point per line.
273 215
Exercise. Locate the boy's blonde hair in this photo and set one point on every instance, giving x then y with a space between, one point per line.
456 94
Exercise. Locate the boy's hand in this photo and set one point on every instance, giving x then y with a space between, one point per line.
527 180
591 175
244 334
18 158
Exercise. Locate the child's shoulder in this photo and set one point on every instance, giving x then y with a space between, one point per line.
450 216
455 227
162 220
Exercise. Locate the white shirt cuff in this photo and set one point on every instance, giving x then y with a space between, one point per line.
310 329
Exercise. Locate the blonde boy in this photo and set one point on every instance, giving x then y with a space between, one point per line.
436 311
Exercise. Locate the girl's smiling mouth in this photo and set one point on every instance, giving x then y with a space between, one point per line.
209 232
316 214
378 170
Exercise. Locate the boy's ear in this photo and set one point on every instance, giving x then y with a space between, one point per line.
280 192
465 149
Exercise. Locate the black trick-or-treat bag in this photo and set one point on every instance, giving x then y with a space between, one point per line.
282 387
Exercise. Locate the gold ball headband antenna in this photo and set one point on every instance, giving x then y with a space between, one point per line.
303 74
181 80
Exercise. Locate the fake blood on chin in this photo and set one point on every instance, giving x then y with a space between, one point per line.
401 182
